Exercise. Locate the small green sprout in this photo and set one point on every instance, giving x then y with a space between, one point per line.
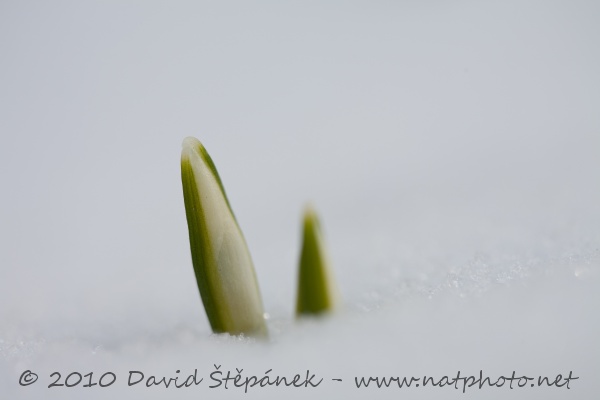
220 256
317 292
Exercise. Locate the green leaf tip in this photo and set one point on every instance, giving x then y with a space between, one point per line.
317 292
222 263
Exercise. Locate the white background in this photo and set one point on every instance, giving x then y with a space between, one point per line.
452 150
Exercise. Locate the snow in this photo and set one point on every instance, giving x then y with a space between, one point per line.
451 151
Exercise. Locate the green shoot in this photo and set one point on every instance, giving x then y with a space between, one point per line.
317 292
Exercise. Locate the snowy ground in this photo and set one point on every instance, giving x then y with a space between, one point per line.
451 148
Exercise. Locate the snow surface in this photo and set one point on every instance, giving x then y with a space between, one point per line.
451 149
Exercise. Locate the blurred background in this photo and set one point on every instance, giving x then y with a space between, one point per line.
451 149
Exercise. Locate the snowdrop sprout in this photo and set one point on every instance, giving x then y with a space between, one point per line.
220 256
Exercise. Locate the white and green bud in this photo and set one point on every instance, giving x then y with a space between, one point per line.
220 256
